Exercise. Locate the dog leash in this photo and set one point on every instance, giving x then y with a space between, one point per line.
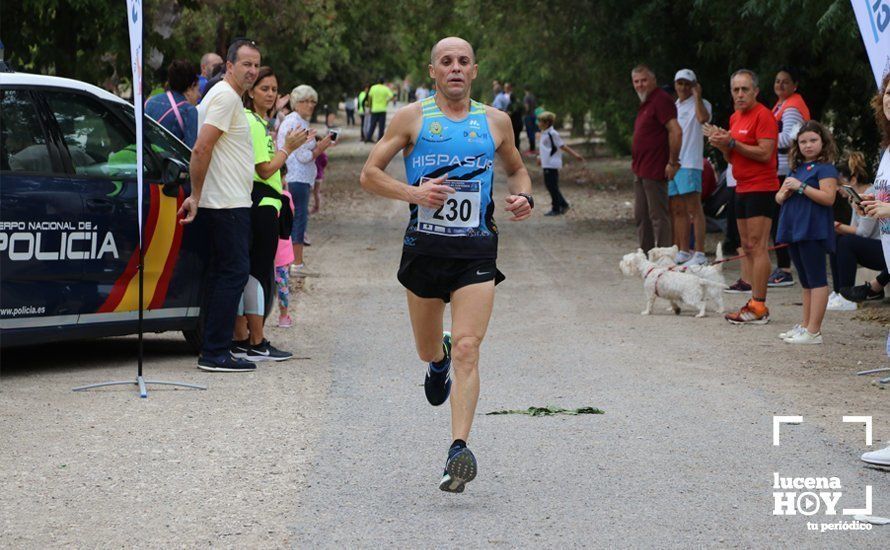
740 256
649 272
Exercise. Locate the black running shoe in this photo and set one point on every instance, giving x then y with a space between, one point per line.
437 384
239 348
226 363
460 469
264 351
861 293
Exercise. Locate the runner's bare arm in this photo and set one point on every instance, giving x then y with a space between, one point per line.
399 135
518 180
199 162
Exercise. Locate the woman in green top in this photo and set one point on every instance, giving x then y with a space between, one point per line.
249 341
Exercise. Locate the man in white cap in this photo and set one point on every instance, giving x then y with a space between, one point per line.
684 191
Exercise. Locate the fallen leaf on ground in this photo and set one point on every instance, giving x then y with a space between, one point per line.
550 410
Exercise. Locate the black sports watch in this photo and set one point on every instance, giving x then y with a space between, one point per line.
531 201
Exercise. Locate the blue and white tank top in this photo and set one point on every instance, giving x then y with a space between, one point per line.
464 227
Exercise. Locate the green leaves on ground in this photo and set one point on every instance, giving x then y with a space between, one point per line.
551 410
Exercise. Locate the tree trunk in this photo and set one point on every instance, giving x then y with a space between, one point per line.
578 123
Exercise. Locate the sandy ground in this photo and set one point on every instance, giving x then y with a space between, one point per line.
338 447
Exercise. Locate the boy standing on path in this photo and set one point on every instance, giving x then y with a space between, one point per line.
550 159
449 142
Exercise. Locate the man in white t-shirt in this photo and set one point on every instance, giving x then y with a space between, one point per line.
221 170
684 191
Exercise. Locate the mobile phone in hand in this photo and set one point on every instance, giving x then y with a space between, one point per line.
853 194
334 133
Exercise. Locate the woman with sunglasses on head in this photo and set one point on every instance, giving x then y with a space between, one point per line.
249 340
301 169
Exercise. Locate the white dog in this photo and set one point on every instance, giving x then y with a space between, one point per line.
714 273
673 285
663 255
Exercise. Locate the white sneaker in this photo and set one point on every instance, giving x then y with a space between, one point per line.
300 271
698 258
836 302
796 329
681 257
805 337
880 458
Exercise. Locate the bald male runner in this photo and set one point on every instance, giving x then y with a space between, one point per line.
449 143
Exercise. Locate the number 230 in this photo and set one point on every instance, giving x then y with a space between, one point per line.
464 210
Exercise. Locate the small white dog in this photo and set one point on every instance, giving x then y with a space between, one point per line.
714 273
663 255
675 285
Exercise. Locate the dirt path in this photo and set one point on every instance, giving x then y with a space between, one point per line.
339 449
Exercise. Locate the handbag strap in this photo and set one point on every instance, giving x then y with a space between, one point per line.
175 108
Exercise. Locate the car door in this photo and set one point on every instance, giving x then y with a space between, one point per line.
100 141
43 227
100 150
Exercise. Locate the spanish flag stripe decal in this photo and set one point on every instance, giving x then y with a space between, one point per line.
120 286
160 294
156 252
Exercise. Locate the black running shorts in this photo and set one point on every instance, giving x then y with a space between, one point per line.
756 203
432 277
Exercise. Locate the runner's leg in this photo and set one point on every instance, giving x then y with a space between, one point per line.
426 322
471 308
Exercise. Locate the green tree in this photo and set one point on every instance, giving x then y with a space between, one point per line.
575 55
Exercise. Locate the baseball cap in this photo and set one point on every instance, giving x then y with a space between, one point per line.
685 74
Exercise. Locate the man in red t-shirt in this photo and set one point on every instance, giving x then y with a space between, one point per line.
750 146
655 153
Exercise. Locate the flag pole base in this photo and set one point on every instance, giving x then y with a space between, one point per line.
142 383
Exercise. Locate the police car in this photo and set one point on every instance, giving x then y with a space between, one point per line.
68 218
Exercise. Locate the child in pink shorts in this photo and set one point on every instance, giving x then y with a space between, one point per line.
283 259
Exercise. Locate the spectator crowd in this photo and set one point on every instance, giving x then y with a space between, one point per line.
255 163
790 186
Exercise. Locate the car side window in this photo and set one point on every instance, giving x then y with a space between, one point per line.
23 146
99 143
162 142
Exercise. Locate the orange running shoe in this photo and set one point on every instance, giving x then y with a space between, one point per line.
750 314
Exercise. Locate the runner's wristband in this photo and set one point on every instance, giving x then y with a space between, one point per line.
531 201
